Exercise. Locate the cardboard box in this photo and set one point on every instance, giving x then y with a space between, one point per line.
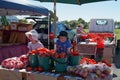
1 73
24 27
11 75
39 76
69 78
62 78
13 25
108 52
21 38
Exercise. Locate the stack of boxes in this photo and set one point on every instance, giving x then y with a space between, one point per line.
16 34
108 52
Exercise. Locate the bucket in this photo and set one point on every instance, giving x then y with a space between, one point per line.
33 60
44 62
60 64
118 46
118 43
74 60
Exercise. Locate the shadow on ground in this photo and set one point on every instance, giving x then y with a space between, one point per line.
114 76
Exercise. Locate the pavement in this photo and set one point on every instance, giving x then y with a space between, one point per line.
116 66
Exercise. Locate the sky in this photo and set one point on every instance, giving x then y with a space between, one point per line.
104 9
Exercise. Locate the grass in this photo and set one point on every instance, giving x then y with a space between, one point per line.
117 32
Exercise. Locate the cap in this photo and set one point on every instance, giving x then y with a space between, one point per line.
63 33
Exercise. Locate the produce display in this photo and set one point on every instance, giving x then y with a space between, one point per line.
88 67
15 62
84 67
29 68
74 51
100 38
40 59
44 52
61 55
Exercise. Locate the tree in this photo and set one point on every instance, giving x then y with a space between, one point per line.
52 17
4 21
66 22
80 20
73 24
117 24
86 24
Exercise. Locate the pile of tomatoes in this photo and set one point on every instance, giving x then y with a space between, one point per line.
15 62
87 61
29 68
44 52
60 55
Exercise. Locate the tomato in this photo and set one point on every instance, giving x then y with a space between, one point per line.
44 52
52 51
106 62
28 68
35 69
74 43
62 55
19 65
56 55
103 76
34 52
39 49
40 69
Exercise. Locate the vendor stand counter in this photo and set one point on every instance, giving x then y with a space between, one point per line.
91 47
109 52
24 75
12 74
12 50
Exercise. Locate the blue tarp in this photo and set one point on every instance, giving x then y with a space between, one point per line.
11 8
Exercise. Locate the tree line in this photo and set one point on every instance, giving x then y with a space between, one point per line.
72 23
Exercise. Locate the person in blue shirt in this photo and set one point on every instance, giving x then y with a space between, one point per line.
63 44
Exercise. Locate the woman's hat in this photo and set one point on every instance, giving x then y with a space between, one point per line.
33 33
80 25
63 33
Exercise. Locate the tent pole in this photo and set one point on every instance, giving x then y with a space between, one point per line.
55 22
48 31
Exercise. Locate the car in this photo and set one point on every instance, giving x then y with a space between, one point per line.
43 27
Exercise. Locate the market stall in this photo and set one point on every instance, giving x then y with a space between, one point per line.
101 33
13 41
38 64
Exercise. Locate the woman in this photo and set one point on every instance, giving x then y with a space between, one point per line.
81 33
